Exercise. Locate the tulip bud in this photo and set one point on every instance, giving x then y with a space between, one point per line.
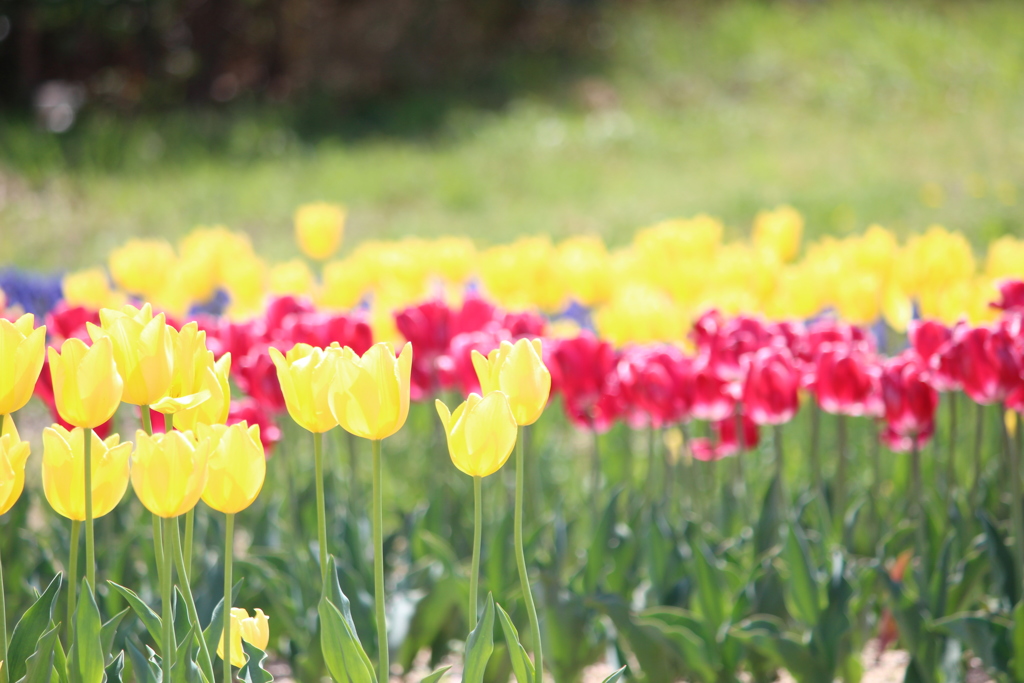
306 374
481 433
169 471
86 385
370 395
237 466
64 471
518 371
13 454
319 228
21 358
143 351
254 630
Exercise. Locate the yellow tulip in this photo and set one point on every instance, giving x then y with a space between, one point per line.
21 358
344 284
245 278
169 471
86 385
143 351
13 454
291 277
585 269
90 288
64 471
518 371
199 387
641 314
779 232
254 630
142 266
306 374
370 395
452 258
319 228
237 466
215 409
481 433
1005 258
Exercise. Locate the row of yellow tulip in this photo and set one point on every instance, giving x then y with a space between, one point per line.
647 290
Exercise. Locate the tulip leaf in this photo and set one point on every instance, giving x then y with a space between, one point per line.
253 671
1001 560
150 619
184 669
88 645
480 645
802 599
436 676
341 602
38 667
522 666
215 628
1017 634
345 657
109 631
141 666
115 668
616 676
30 629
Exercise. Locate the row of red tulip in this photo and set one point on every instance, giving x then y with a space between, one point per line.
743 369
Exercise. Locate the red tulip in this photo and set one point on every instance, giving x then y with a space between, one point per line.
987 363
257 376
847 382
321 330
770 390
455 368
900 443
725 442
910 402
65 322
714 398
656 384
583 370
278 311
833 333
1011 296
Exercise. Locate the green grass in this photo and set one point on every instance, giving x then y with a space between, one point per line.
904 114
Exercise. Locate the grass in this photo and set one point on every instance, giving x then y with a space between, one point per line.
904 114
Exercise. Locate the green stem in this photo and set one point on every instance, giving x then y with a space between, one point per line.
917 508
3 611
979 467
951 456
205 660
524 579
229 549
819 485
353 465
839 509
652 462
190 524
1016 503
147 420
321 507
384 671
595 476
167 652
90 543
474 576
76 532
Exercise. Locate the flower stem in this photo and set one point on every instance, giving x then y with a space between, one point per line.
474 576
595 475
524 579
951 456
229 549
839 494
3 612
979 467
205 661
1016 504
384 672
190 524
90 544
321 506
652 463
166 588
76 532
819 486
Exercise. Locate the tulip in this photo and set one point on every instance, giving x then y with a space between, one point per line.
65 321
518 371
209 378
256 375
90 288
481 435
726 441
713 397
169 471
22 349
583 370
910 402
370 396
254 630
987 363
142 266
237 466
770 391
847 383
318 229
1011 296
13 455
657 385
199 389
64 471
86 385
306 375
143 350
291 278
250 410
778 232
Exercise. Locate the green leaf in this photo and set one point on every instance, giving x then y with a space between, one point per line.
141 666
253 671
522 666
185 669
480 645
692 650
150 619
1001 559
30 629
710 588
88 646
436 676
343 654
340 602
39 665
616 676
1017 663
802 599
432 614
986 635
109 631
115 668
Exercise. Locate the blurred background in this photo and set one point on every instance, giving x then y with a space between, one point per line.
496 118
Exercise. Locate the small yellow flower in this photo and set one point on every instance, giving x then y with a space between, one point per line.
370 395
142 266
21 359
518 371
143 351
237 466
319 228
86 385
481 433
254 630
169 471
13 454
64 471
306 374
